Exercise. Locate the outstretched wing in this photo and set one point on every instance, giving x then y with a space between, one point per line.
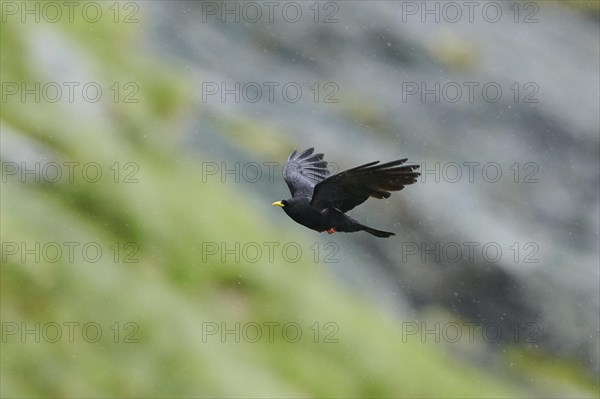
303 171
352 187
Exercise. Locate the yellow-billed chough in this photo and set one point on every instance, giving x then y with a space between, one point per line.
320 201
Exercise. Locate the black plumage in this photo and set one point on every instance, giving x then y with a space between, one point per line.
319 201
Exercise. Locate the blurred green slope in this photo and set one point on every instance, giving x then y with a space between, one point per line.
171 291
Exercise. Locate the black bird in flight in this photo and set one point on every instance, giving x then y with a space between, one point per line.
320 201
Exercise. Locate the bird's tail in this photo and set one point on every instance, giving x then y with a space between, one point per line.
378 233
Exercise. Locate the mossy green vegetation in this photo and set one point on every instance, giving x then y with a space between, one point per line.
591 7
559 375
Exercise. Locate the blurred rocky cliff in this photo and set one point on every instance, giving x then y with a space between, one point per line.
466 92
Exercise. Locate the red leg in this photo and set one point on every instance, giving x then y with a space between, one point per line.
331 230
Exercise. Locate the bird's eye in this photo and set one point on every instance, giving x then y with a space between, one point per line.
284 202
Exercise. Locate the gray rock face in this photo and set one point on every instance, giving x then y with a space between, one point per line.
502 113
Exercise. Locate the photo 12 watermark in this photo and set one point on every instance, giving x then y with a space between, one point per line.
269 252
479 172
469 92
270 332
90 332
318 12
53 12
69 92
68 252
70 172
270 92
469 332
452 12
469 252
247 172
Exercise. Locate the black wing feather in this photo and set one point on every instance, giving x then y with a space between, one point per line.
354 186
303 171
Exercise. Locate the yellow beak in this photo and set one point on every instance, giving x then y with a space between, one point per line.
278 203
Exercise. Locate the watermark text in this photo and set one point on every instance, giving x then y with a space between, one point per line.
69 332
69 172
68 252
469 252
69 92
273 331
271 252
70 11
